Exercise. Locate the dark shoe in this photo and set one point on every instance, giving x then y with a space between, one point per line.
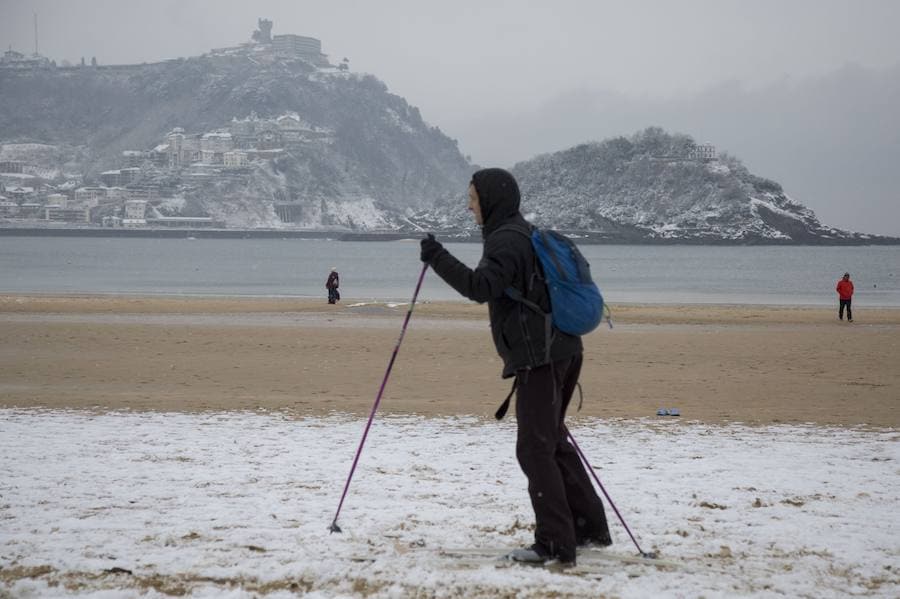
537 555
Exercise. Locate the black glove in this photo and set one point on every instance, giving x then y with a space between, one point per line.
431 247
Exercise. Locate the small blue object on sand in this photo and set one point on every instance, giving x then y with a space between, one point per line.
674 412
662 412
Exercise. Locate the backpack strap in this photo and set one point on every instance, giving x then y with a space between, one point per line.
553 256
501 411
516 295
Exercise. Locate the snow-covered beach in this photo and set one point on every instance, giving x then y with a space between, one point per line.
156 447
238 504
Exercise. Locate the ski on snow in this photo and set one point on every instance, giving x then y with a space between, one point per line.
588 560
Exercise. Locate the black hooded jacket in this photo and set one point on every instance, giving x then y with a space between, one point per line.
507 261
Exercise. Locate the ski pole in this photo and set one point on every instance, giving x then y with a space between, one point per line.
647 554
334 525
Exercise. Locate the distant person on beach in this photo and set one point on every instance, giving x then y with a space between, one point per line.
568 512
845 296
332 284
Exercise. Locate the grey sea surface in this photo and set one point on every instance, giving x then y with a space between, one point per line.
387 271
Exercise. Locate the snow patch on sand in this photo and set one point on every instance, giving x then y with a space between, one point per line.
239 505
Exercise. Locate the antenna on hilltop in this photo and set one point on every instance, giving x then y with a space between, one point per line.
35 35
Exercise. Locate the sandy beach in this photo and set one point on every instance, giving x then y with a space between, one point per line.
198 447
716 364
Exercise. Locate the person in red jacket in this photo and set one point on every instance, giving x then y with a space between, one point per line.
845 295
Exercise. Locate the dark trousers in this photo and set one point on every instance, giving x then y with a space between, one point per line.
332 295
845 302
566 507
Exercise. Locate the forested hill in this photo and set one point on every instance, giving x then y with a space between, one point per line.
371 151
656 186
326 149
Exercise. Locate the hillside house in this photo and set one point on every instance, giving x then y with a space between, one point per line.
703 152
135 158
68 215
12 56
30 210
8 208
12 166
16 60
289 45
213 147
182 148
135 213
160 155
57 200
89 196
116 178
111 178
117 194
20 193
235 158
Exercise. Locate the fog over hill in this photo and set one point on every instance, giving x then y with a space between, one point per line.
657 187
831 140
249 138
354 144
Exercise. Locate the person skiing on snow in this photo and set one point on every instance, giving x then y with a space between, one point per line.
568 512
844 289
332 284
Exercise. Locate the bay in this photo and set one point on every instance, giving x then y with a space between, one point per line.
387 271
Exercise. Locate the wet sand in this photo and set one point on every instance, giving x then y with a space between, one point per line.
723 363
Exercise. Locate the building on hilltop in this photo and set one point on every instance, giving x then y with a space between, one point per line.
264 45
16 60
58 208
12 166
8 208
235 158
309 49
183 149
89 196
214 145
20 193
704 152
12 56
263 35
135 213
57 200
116 178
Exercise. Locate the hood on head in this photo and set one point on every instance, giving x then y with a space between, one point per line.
498 194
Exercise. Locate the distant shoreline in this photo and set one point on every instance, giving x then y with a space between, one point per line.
582 237
184 233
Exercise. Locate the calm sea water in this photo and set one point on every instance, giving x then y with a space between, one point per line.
388 270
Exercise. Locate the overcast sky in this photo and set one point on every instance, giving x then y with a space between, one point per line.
462 61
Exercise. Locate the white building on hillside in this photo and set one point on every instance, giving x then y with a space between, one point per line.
58 200
235 158
89 196
135 213
705 152
214 145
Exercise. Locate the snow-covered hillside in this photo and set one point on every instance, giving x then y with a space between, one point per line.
652 186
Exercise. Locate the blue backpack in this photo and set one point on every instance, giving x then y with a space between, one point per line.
576 304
